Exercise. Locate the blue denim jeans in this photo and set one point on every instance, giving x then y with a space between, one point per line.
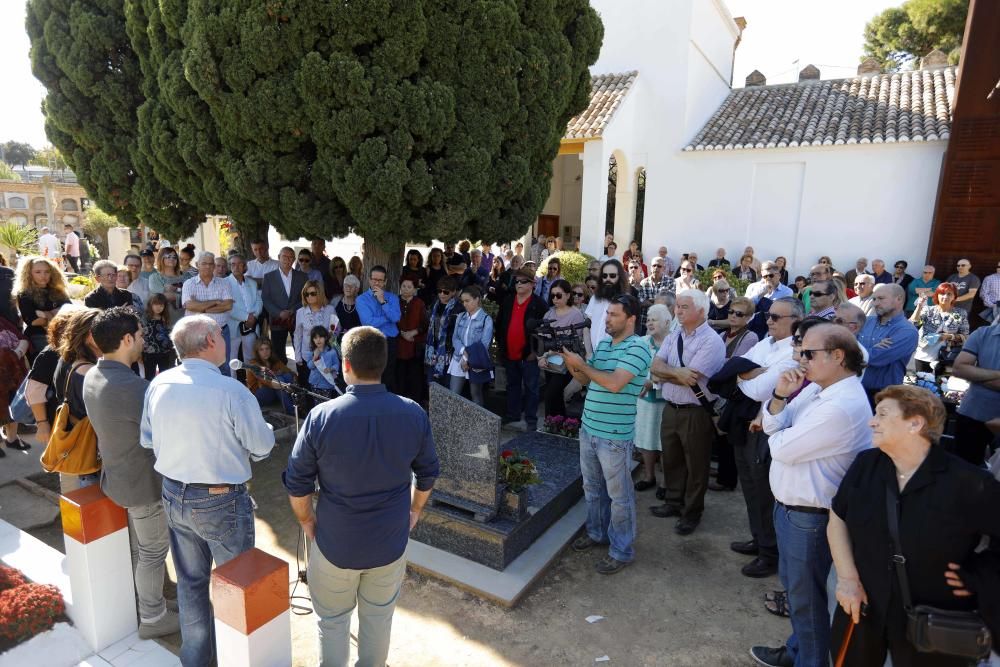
607 486
266 395
522 391
804 565
203 527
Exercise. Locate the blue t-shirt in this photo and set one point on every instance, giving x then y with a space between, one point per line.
608 414
364 448
980 402
331 360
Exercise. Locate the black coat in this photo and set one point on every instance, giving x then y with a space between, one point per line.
534 314
945 509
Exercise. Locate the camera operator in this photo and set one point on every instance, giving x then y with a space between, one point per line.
562 316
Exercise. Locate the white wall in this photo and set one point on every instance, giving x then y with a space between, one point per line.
841 201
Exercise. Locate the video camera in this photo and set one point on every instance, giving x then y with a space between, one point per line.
545 338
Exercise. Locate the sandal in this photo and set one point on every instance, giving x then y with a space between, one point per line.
19 445
644 484
776 603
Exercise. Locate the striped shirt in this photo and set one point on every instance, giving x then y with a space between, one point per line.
608 414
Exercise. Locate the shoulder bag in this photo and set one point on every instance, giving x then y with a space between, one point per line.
71 451
699 393
929 629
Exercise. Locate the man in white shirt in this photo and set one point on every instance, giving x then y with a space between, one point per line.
48 245
769 285
247 304
773 355
72 245
813 441
137 284
864 286
262 263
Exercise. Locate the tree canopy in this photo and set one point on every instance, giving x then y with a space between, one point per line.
18 153
397 121
899 35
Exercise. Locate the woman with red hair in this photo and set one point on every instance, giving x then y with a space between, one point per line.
943 327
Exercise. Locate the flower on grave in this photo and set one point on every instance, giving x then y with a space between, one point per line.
506 454
517 471
26 608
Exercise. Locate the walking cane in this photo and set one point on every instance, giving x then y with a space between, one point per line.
842 653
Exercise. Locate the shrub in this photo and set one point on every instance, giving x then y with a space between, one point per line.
705 278
10 578
29 609
573 265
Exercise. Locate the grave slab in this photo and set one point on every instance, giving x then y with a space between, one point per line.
24 509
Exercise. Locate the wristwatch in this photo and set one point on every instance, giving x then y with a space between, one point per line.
777 397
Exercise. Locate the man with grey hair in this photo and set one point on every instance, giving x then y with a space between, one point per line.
207 294
247 305
107 294
769 285
860 269
864 287
205 471
281 292
882 277
690 355
851 316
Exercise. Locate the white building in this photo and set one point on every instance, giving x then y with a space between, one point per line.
844 168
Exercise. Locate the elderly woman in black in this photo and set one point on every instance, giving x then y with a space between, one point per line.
944 506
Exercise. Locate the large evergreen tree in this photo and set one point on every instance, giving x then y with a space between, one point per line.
400 121
81 53
900 35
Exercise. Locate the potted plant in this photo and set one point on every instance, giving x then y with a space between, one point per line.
517 472
567 427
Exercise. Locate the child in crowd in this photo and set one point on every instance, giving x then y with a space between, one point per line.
157 349
324 364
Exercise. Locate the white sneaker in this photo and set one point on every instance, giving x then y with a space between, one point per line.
519 425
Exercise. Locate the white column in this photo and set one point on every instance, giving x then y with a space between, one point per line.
593 198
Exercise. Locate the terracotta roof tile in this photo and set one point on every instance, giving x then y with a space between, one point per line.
606 94
885 108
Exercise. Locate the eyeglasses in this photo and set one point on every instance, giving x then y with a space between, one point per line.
808 354
860 283
774 317
815 293
445 291
900 266
310 293
796 340
170 257
553 267
609 276
579 295
738 313
683 270
523 281
842 321
557 295
304 260
768 275
816 274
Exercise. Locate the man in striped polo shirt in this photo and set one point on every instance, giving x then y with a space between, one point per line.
615 375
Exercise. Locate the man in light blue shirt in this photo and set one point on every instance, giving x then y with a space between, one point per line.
769 284
380 309
204 429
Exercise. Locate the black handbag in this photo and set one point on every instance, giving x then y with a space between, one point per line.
929 629
948 354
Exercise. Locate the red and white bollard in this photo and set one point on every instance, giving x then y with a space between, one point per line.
99 564
252 614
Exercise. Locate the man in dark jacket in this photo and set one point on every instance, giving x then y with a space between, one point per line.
281 292
519 314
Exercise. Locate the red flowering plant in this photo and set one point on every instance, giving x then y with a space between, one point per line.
517 471
566 426
26 609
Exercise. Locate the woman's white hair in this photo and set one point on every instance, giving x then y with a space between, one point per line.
191 333
351 279
660 312
698 298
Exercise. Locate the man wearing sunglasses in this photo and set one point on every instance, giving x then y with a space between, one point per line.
651 286
817 272
769 285
513 336
824 299
890 339
967 283
690 355
613 284
864 287
615 375
813 440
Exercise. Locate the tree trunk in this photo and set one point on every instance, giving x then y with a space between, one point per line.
389 257
246 234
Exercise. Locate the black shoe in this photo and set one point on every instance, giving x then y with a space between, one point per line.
644 485
772 657
661 493
715 486
748 548
609 565
3 451
583 543
665 510
19 445
686 526
759 568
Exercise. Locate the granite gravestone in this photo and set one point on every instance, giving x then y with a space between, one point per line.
467 438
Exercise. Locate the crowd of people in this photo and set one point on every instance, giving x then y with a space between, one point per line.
786 383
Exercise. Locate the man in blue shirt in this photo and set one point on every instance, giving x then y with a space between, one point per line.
979 363
204 429
380 309
889 338
362 448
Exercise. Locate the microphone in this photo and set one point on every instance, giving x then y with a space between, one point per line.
236 365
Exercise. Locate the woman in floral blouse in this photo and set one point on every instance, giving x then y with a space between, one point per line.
942 326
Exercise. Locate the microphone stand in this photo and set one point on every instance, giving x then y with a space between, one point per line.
297 392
